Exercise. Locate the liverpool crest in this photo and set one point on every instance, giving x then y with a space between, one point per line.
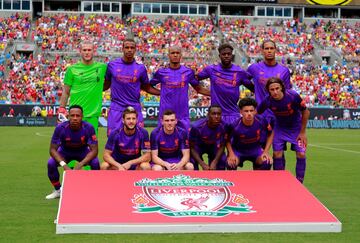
183 196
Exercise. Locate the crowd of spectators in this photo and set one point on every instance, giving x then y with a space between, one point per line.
38 79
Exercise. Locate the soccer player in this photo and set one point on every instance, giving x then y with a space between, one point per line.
72 140
170 145
290 126
128 148
83 84
245 138
126 77
260 72
174 93
208 136
225 81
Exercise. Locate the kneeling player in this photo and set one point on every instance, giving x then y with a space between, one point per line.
245 138
170 145
74 139
207 136
127 148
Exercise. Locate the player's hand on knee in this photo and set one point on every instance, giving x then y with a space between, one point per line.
233 161
168 166
213 165
205 166
267 158
126 166
302 140
120 167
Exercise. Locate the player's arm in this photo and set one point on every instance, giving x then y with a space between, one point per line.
265 156
150 89
57 156
218 155
157 160
110 160
302 138
262 106
204 74
246 81
64 99
232 159
107 84
195 155
202 90
145 157
184 160
90 156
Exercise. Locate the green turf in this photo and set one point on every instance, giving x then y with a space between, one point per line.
332 176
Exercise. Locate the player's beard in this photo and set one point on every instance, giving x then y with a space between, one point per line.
130 128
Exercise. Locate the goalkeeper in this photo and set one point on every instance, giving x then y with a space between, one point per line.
83 84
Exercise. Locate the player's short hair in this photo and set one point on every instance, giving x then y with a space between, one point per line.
275 80
129 110
129 40
86 42
76 107
168 112
213 107
224 46
267 41
247 102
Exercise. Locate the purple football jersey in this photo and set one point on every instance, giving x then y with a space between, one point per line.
261 72
174 93
169 146
126 79
225 83
74 141
125 147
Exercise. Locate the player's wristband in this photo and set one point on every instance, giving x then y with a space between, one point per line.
62 163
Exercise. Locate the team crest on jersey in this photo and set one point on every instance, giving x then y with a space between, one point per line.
183 196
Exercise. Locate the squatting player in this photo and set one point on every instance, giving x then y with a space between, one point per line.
170 145
208 136
245 138
83 84
126 77
127 148
291 118
174 93
74 139
225 81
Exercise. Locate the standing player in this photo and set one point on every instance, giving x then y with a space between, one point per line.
290 126
246 138
72 140
126 77
174 93
83 84
170 145
260 72
225 81
207 136
127 148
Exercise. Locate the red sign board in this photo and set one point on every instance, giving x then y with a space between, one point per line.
196 201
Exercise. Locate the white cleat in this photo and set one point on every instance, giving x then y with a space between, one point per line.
54 194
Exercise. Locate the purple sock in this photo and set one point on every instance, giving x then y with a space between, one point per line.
53 173
279 163
300 169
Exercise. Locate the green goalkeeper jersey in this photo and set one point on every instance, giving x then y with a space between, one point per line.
86 86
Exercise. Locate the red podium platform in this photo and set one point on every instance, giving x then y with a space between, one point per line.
184 202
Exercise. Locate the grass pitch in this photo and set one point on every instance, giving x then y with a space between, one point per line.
332 176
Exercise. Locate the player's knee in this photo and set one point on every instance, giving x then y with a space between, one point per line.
300 155
145 166
157 167
104 166
189 166
278 154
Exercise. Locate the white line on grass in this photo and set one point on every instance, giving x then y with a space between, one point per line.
336 149
338 144
42 135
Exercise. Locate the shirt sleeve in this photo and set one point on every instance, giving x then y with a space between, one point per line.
111 142
299 103
153 140
184 141
92 139
263 105
205 73
69 77
56 137
145 141
194 135
156 78
286 80
144 78
108 74
192 80
246 80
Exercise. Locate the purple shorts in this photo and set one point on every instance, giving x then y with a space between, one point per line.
286 136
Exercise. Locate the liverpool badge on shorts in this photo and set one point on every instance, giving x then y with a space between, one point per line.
183 196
